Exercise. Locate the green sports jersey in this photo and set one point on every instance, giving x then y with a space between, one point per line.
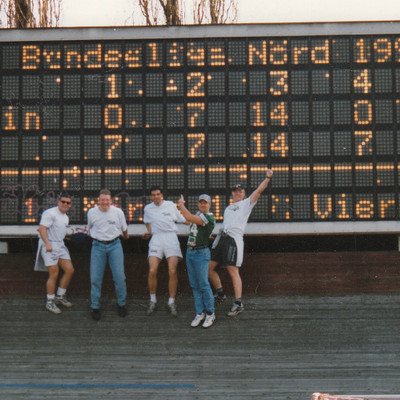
199 235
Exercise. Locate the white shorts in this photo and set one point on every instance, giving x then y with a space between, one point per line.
165 245
59 251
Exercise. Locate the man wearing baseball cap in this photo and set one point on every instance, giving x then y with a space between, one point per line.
198 258
227 249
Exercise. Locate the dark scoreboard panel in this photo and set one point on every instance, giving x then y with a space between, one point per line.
198 115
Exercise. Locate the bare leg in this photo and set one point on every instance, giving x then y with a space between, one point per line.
67 267
173 275
236 280
213 275
154 262
52 280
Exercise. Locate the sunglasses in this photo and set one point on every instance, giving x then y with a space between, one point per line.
65 202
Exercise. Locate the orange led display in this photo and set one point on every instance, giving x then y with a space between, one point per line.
200 114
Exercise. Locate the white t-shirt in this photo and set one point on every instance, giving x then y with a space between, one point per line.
162 218
106 225
235 218
234 224
56 223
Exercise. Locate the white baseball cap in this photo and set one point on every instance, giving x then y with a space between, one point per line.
205 197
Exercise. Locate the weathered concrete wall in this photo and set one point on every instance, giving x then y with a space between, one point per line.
263 274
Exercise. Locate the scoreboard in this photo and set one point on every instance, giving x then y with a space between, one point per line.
199 109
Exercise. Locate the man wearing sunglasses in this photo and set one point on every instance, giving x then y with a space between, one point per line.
52 253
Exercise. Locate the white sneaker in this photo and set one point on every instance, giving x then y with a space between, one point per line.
62 301
235 310
51 306
197 320
152 307
209 320
172 309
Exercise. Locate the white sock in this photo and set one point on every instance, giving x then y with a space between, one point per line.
50 297
61 291
171 300
153 298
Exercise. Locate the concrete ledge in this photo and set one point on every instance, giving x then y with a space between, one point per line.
252 228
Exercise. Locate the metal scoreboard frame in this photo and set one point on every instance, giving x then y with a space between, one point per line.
198 109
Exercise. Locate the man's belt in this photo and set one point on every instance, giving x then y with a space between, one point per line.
107 241
198 247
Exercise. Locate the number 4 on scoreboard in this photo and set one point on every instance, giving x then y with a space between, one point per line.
362 81
279 113
280 145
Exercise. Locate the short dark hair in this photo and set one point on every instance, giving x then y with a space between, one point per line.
105 191
155 188
238 186
64 195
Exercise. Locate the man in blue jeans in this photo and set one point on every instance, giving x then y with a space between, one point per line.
106 223
198 258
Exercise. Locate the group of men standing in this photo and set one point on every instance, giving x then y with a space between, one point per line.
106 223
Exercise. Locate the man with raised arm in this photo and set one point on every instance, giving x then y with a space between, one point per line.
228 246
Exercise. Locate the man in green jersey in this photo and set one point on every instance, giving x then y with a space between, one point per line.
198 258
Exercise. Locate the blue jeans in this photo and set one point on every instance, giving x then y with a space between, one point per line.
197 267
98 260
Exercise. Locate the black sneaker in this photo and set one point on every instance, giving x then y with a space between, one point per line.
122 311
219 298
96 315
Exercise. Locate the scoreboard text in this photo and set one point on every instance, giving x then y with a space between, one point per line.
198 115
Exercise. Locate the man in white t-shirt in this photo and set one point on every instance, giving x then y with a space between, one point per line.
52 253
160 218
228 246
106 223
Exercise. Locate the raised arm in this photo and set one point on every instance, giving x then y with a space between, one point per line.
261 187
187 214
